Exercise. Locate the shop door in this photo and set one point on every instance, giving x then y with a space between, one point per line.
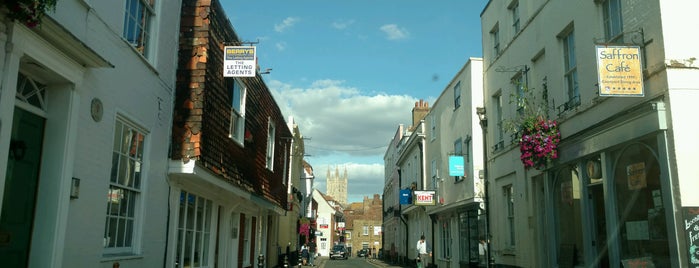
21 181
599 225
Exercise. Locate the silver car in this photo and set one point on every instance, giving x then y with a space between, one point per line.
338 252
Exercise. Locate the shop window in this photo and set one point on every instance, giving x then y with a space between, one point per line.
567 203
640 208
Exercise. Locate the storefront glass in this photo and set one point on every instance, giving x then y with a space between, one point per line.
640 209
567 205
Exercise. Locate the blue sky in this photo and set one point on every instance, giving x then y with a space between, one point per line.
350 72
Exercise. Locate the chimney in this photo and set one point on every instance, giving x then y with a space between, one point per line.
419 112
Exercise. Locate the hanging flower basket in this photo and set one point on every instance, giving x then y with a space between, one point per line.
538 142
28 12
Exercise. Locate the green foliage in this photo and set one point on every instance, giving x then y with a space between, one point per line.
28 12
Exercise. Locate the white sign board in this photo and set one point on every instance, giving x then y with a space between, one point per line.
239 61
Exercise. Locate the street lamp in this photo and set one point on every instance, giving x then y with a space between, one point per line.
483 120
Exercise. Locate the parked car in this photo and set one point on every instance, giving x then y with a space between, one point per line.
362 253
339 252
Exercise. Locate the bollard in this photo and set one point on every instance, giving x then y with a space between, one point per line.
261 261
286 261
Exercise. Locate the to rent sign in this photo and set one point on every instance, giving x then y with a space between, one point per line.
424 198
239 61
619 71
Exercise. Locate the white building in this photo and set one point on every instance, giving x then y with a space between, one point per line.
85 112
454 161
622 187
327 219
393 230
412 167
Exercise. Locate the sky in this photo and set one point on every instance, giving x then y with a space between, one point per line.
349 72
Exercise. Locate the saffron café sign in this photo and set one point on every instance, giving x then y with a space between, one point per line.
424 198
239 61
619 71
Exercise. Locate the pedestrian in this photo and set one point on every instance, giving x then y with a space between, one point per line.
482 251
312 252
304 254
423 252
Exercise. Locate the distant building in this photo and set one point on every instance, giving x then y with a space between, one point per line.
337 185
364 225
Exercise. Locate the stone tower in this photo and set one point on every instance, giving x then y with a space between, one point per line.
337 185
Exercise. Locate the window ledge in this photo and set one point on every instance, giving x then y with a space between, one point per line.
120 257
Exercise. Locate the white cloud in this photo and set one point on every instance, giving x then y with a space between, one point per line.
342 24
281 46
286 23
393 32
346 128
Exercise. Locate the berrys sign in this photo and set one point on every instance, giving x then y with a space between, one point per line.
239 61
424 198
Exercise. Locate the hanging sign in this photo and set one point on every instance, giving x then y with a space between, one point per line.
619 71
239 61
424 198
405 197
456 165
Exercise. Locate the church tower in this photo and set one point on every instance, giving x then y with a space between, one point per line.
337 185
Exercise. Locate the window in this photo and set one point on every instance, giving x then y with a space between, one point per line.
571 72
435 176
495 37
499 124
137 23
446 239
612 21
457 95
365 230
194 231
519 91
433 127
459 151
509 199
270 144
247 239
124 194
514 10
237 123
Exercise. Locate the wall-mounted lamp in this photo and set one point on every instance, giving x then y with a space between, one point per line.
480 111
18 148
74 188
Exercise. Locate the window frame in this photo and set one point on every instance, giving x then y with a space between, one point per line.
365 230
459 151
508 191
514 11
201 228
446 239
570 69
499 121
271 142
457 95
133 193
236 123
613 21
495 37
138 24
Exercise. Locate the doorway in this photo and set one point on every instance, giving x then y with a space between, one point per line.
21 183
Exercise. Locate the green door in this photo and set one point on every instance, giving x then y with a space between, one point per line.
21 181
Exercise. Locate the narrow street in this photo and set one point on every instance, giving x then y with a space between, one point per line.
352 262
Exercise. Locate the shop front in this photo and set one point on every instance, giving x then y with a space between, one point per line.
612 199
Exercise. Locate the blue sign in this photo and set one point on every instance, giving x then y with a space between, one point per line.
406 197
456 165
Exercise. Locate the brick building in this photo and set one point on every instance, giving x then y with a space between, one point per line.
364 220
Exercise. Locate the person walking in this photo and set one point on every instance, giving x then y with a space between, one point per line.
423 252
482 251
304 254
312 252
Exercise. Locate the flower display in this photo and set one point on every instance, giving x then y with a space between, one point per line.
28 12
538 142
